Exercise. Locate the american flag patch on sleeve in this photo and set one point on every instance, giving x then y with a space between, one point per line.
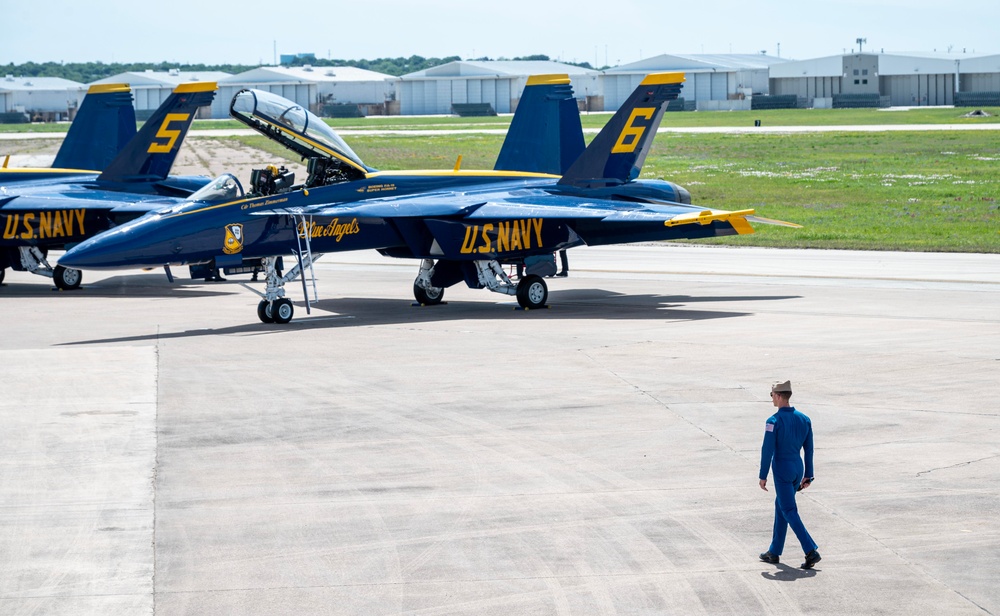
769 427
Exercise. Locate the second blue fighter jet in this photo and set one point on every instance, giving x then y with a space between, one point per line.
547 192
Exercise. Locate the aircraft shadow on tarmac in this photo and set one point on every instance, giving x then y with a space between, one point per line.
133 285
564 305
786 573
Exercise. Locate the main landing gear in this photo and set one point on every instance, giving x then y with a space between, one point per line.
280 310
531 291
274 307
33 260
423 291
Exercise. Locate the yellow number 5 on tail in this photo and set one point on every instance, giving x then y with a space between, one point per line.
165 132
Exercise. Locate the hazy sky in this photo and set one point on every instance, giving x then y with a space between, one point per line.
252 31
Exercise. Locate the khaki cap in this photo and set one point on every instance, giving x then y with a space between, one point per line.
784 387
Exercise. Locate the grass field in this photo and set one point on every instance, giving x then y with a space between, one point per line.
779 117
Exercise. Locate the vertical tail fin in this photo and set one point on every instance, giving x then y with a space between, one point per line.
151 153
104 124
618 152
545 135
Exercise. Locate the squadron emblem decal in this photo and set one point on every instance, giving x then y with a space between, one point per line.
234 239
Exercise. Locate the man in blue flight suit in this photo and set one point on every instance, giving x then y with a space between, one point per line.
785 434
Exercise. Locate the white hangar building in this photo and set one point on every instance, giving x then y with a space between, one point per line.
49 98
980 74
712 81
311 86
150 88
499 83
895 79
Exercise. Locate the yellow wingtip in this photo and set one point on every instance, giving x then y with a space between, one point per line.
706 217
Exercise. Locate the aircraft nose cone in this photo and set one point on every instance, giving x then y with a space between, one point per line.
108 250
97 252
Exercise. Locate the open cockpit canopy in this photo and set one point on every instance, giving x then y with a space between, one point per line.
294 127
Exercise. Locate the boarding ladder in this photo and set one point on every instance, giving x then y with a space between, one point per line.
304 256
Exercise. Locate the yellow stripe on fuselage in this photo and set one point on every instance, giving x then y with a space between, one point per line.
210 207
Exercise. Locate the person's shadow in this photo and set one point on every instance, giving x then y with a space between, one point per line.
786 573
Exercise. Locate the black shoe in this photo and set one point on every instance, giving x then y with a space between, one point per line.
769 558
563 274
811 559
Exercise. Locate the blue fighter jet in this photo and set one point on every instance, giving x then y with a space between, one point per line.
547 192
105 173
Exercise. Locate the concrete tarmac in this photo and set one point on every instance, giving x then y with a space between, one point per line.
163 452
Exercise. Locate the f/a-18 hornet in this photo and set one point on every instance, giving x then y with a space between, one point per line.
547 192
104 174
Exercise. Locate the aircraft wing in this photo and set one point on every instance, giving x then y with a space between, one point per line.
515 205
93 200
494 223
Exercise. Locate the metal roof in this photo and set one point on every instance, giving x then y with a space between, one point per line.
162 78
498 68
35 84
981 64
888 64
829 66
893 64
310 74
698 62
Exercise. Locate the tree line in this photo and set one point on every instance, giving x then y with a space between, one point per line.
86 72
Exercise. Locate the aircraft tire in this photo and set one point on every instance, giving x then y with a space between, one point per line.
264 311
532 292
428 297
67 278
283 310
